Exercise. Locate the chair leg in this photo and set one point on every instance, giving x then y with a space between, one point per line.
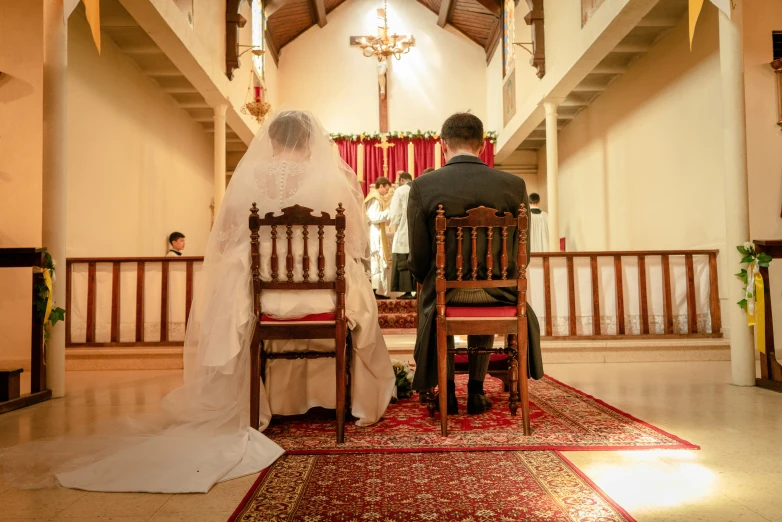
524 385
348 375
513 374
255 384
442 374
341 379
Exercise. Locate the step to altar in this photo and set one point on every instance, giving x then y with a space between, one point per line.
401 346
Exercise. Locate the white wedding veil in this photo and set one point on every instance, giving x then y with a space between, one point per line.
201 435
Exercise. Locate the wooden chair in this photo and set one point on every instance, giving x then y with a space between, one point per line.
320 326
510 321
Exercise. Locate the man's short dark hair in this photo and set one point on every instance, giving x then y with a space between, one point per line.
534 198
427 171
382 181
174 237
463 131
405 175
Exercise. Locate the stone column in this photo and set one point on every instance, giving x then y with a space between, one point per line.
219 156
54 177
552 173
734 146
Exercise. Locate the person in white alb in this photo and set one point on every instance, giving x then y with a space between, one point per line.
378 213
401 277
538 227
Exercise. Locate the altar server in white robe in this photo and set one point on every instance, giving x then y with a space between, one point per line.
378 212
203 434
538 227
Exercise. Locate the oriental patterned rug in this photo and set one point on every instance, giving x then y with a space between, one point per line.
475 486
562 418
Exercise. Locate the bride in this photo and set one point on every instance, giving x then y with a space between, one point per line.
203 434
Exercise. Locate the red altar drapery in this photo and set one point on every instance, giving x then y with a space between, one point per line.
397 157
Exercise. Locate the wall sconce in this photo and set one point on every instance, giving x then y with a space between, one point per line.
777 66
257 51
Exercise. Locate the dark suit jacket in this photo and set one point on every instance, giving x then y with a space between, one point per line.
463 184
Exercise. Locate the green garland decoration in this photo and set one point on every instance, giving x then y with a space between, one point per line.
410 135
41 292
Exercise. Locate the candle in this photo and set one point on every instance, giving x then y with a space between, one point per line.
411 159
257 93
438 155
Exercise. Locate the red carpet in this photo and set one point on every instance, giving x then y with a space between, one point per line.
563 418
477 487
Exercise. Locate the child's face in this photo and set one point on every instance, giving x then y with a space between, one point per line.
179 244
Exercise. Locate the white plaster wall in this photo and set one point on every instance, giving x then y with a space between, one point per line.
444 73
21 134
764 136
139 167
641 168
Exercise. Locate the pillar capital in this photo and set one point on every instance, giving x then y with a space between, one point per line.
552 104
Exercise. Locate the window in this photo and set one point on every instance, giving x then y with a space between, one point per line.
508 36
258 22
776 39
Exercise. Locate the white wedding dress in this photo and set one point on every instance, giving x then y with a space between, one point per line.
203 434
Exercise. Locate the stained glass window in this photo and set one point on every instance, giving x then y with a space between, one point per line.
508 36
258 28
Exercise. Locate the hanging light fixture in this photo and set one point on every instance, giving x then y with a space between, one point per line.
384 45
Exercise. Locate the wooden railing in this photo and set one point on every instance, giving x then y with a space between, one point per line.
141 265
586 295
641 259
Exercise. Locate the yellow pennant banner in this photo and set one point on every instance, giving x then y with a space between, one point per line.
695 11
93 18
758 318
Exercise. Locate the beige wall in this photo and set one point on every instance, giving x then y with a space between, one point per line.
444 72
21 134
764 136
138 166
641 167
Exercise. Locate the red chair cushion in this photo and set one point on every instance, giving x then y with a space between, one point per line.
462 359
489 312
329 316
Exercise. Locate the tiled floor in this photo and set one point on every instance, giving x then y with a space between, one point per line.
736 476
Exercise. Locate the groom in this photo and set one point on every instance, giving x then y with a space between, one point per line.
464 183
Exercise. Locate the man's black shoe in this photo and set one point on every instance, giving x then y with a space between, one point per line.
477 404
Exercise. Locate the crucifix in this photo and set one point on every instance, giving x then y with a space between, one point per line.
385 145
383 46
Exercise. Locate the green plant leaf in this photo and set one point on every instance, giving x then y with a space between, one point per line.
743 251
743 304
56 315
747 259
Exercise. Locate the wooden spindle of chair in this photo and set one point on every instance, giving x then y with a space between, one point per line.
620 296
140 274
275 260
489 253
164 301
115 301
667 295
522 261
321 257
642 295
504 257
305 261
692 313
289 257
474 253
91 302
596 329
714 295
255 258
459 253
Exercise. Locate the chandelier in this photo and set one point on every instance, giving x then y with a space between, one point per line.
384 45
